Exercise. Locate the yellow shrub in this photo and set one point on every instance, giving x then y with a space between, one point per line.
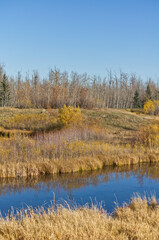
70 115
151 107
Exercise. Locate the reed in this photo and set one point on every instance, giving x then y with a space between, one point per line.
138 220
70 151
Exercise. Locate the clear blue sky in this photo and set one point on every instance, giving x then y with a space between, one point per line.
81 35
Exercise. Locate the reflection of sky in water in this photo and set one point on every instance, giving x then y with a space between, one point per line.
107 187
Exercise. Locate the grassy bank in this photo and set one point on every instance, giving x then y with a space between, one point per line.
106 137
138 220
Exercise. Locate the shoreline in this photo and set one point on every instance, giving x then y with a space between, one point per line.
82 164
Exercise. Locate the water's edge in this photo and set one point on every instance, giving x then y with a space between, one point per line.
108 185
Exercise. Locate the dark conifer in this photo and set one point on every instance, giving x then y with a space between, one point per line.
148 93
4 91
136 102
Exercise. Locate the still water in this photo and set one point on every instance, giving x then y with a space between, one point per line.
110 186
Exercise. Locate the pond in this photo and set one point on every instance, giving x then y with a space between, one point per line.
109 187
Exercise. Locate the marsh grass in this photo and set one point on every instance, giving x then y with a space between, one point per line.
67 151
96 143
136 221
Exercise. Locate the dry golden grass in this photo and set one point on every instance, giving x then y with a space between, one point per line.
70 152
137 221
107 137
28 119
37 119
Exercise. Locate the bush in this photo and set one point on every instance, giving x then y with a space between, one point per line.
151 107
70 115
149 136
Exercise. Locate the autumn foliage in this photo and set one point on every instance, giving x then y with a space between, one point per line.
70 116
114 90
151 107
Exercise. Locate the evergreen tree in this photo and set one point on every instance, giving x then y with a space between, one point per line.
148 93
136 102
4 91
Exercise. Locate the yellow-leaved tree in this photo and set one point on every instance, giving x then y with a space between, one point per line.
70 115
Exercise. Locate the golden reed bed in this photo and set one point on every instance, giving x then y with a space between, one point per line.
137 221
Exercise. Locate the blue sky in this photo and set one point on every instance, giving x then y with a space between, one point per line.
81 35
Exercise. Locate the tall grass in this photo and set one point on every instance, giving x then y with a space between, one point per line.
69 150
136 221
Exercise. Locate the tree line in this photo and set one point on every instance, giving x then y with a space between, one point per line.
112 91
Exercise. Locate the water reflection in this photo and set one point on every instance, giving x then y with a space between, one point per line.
78 180
102 184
